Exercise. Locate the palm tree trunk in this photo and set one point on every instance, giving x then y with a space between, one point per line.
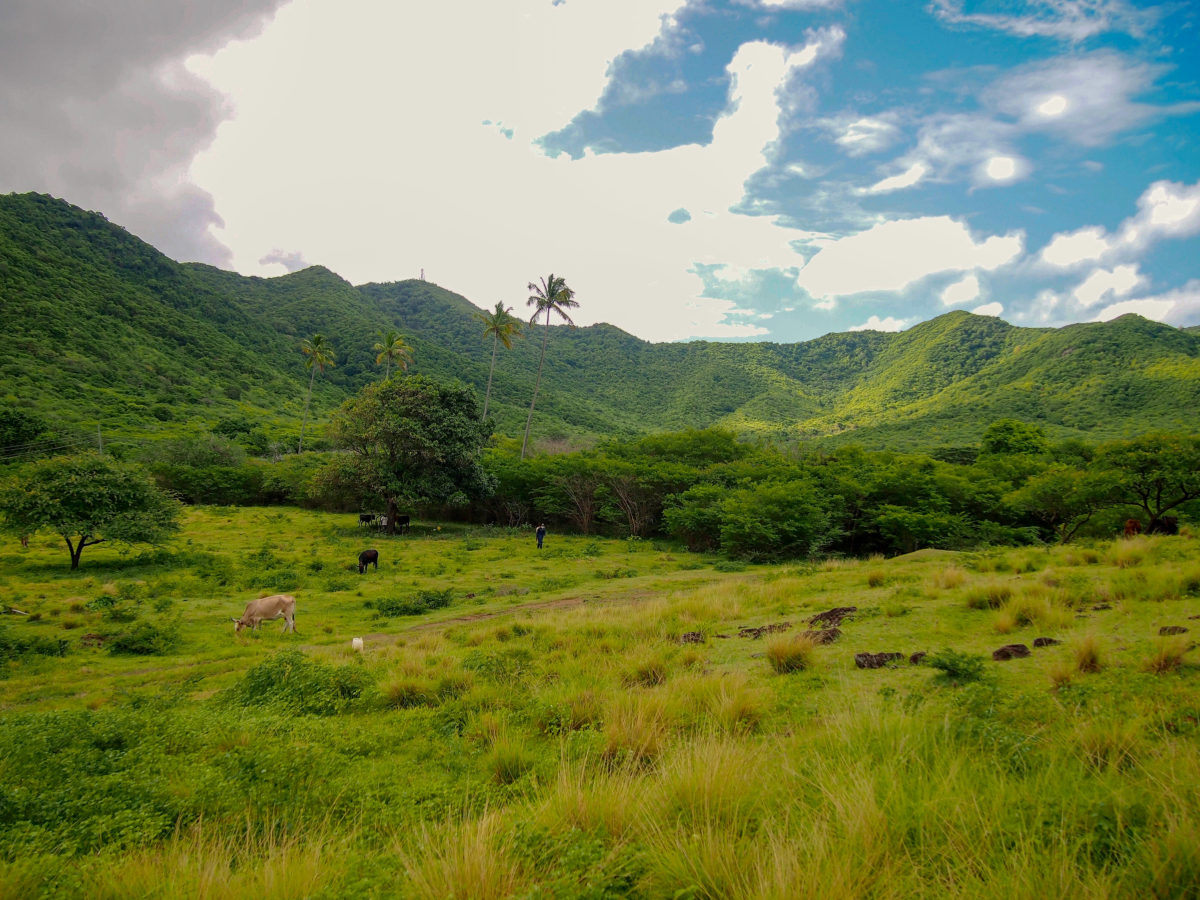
387 367
304 421
537 384
488 395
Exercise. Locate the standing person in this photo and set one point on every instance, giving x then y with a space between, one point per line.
541 535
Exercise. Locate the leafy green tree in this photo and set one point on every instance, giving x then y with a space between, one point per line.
412 441
503 326
551 296
695 516
1011 436
18 428
392 348
88 499
1156 472
1064 498
319 355
776 520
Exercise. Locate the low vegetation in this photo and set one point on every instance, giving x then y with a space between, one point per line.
537 730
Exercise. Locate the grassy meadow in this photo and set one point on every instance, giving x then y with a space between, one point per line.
535 724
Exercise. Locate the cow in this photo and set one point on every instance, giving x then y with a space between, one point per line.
264 609
367 558
1132 527
402 523
1164 525
366 519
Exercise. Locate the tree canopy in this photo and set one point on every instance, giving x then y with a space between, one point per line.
88 499
412 441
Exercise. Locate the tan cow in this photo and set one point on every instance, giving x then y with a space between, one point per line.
277 606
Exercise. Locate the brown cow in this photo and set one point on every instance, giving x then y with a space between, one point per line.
264 609
1132 527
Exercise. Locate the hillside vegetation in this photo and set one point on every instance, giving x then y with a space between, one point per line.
104 329
601 719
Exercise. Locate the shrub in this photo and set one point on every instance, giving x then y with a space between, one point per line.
1167 656
508 761
1089 655
419 604
145 639
956 666
291 680
15 646
791 654
989 595
406 693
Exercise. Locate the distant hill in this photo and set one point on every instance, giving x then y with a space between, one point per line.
102 328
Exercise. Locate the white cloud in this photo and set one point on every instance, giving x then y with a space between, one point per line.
1166 209
1118 282
963 291
989 309
892 255
866 134
1069 20
1067 249
1003 169
877 324
906 179
427 186
1148 308
1177 307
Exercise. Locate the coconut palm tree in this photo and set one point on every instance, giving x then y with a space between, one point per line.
503 327
551 296
392 349
320 357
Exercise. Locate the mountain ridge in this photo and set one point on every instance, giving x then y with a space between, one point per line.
106 327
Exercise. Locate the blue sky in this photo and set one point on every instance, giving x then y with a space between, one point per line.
722 169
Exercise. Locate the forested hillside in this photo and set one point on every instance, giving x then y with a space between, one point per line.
104 329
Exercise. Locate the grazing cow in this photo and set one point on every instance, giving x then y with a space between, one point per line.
1132 527
367 558
1164 525
366 519
402 523
278 606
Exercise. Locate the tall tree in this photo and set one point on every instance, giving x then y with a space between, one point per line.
88 499
392 348
414 440
502 326
551 296
319 356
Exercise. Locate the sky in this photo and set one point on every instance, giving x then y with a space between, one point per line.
719 169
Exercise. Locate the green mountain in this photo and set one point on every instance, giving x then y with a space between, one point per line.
104 329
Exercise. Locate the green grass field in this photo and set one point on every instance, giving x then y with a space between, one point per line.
532 724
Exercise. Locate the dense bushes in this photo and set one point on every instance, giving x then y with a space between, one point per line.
292 681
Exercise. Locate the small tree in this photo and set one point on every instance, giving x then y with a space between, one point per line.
1156 472
392 348
320 356
412 441
503 326
551 296
88 499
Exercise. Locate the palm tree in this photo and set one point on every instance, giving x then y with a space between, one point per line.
552 295
503 327
320 356
393 349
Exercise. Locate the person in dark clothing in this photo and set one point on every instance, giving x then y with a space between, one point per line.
541 535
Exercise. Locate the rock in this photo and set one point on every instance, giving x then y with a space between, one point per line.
692 637
1100 606
723 636
823 636
917 658
832 617
92 640
1045 642
1172 629
756 633
875 660
1010 651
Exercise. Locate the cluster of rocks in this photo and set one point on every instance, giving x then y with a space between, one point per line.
756 633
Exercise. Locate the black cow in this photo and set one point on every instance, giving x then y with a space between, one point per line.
367 558
366 519
402 523
1164 525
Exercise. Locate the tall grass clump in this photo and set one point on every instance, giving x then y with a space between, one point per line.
791 654
990 594
469 860
1167 655
948 578
1088 653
